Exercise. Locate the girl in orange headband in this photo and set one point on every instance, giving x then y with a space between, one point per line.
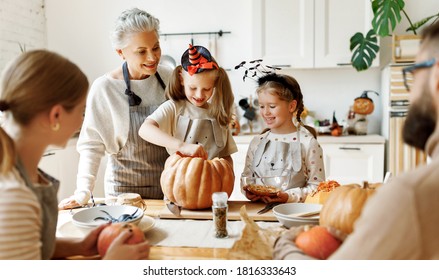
194 121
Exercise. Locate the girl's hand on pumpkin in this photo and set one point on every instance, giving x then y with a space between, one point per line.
193 150
118 250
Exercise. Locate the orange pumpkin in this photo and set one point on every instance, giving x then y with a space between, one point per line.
344 206
363 104
190 182
317 242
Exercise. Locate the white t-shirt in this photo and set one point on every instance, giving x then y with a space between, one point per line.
167 114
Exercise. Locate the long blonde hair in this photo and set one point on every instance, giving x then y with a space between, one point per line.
221 101
33 83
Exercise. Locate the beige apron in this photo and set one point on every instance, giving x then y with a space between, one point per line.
47 197
276 158
206 132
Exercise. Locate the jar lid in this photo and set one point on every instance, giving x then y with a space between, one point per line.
220 198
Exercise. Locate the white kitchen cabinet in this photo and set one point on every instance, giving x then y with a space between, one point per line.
308 33
62 164
352 162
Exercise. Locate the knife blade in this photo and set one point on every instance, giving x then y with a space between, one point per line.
174 208
268 207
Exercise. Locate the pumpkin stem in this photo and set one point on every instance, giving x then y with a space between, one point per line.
365 185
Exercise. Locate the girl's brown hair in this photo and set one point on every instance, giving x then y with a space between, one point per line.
288 89
33 83
222 98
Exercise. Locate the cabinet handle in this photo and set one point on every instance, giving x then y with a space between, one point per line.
48 154
344 64
350 148
282 65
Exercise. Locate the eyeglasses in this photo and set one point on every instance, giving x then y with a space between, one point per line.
410 69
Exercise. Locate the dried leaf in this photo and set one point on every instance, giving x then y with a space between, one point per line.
255 243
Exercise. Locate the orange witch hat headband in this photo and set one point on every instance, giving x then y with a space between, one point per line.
196 59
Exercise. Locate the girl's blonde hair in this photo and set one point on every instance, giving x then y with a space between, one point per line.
288 89
33 83
222 98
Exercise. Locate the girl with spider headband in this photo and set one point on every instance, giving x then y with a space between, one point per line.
194 121
287 146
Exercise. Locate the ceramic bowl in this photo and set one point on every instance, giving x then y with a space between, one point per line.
93 217
284 212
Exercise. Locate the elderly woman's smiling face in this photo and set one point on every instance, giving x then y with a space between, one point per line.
142 54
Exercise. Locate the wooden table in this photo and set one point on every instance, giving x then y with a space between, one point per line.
154 209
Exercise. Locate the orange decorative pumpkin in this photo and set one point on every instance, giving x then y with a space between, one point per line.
344 206
109 233
190 182
317 242
364 104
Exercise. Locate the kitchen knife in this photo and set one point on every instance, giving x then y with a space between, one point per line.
268 207
174 208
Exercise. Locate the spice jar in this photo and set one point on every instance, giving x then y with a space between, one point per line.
219 210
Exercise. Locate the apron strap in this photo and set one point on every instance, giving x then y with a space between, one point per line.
133 99
217 133
23 173
260 151
162 84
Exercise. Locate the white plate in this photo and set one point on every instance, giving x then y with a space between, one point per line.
282 211
68 229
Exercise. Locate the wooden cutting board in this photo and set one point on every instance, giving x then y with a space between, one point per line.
232 214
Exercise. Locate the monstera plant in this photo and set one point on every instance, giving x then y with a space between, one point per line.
386 16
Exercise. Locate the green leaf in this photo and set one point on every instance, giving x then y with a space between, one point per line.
364 50
387 13
420 23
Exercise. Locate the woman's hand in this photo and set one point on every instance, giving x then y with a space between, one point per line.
192 150
118 250
68 203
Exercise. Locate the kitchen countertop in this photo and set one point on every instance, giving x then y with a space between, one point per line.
326 139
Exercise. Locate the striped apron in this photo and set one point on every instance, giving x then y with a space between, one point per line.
47 197
138 165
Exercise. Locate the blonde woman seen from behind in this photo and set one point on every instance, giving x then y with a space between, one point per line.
42 99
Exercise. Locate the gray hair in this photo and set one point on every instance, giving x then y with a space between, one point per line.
132 21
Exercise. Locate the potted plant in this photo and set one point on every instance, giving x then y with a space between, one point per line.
386 16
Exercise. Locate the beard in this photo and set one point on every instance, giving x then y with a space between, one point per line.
421 121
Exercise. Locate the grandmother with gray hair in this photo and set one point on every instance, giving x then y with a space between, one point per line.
117 104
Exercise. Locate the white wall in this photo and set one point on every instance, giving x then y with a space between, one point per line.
21 23
80 30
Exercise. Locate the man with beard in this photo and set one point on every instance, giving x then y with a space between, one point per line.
401 221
